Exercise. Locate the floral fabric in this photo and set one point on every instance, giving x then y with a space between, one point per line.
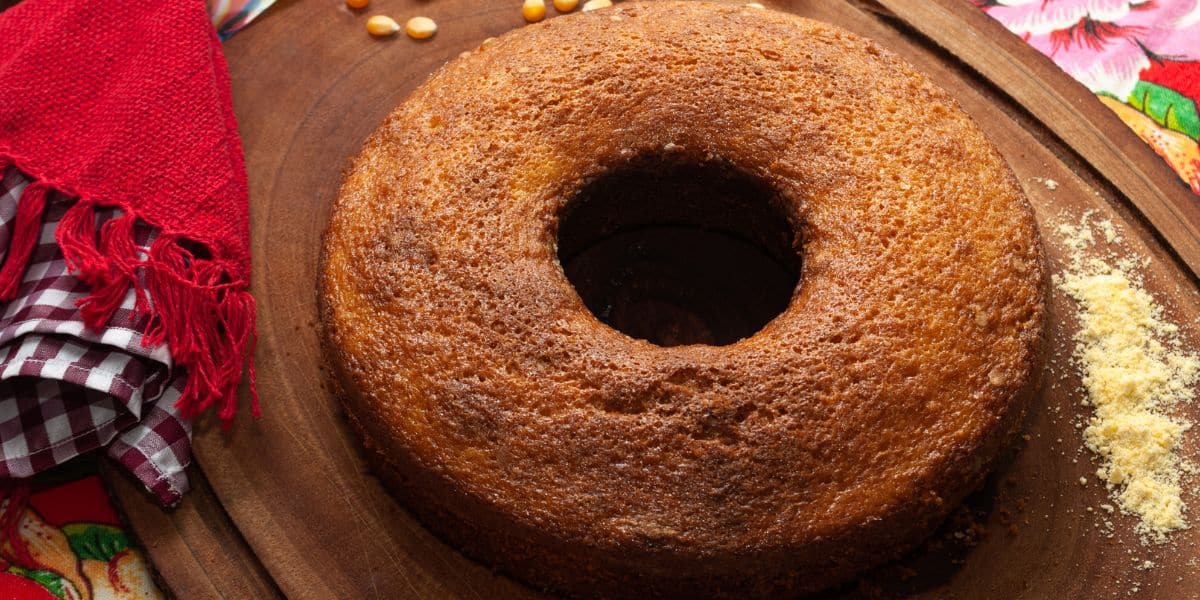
75 547
1141 57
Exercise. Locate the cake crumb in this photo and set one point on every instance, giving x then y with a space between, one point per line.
1110 232
1046 181
1133 370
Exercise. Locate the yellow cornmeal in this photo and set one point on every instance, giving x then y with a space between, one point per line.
1133 370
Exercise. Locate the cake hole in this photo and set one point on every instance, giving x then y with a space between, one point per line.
680 254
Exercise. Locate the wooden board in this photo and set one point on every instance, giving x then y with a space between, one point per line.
196 550
310 86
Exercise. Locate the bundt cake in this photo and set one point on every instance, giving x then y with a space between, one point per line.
682 299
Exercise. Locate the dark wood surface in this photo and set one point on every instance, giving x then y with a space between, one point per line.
197 551
310 86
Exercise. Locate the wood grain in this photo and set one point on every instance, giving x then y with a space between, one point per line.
310 86
1068 109
194 547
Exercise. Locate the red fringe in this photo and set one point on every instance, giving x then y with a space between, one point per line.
205 317
13 549
187 291
26 226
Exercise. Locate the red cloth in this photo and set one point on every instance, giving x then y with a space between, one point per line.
127 105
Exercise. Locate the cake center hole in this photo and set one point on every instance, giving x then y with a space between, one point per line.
680 253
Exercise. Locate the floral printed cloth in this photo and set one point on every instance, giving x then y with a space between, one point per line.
1141 57
73 545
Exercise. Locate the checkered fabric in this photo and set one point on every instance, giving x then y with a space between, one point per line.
66 389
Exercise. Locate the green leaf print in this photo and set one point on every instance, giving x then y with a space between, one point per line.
91 541
53 582
1167 107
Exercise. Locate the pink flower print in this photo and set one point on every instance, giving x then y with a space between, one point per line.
1104 44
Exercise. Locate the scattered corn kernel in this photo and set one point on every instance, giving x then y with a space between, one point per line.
754 5
357 4
381 26
419 28
533 10
565 5
594 4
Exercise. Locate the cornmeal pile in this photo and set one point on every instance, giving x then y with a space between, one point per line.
1135 372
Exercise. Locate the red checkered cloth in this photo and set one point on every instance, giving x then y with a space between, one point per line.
66 389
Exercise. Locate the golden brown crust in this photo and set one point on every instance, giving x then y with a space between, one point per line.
837 436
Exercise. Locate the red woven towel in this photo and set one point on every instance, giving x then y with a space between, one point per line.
126 105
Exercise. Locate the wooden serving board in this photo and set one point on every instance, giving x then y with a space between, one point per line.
292 508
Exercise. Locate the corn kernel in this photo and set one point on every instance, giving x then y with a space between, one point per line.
381 26
594 4
357 4
754 5
419 28
565 5
533 10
